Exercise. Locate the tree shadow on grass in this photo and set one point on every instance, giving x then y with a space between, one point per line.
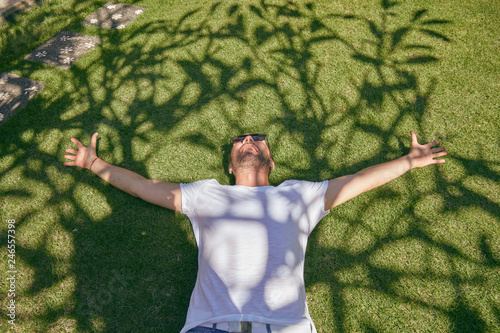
203 77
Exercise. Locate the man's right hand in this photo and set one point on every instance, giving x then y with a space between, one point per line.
84 156
157 192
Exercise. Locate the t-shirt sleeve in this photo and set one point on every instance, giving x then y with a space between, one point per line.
313 198
189 193
316 194
189 196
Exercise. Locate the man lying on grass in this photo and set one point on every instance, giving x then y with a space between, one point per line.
252 237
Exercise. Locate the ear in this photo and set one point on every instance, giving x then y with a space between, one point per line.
230 168
271 166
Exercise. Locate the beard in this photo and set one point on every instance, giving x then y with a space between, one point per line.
251 162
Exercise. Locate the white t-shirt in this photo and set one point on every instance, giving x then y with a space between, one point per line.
251 249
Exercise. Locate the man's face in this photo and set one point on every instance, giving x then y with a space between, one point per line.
250 154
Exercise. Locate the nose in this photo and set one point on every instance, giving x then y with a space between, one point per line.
248 138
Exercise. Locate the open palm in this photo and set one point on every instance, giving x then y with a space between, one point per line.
422 155
84 156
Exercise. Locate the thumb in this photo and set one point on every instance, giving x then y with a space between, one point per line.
414 140
93 141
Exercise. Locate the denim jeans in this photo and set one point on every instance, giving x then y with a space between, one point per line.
201 329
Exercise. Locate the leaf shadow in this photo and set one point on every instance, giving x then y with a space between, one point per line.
135 267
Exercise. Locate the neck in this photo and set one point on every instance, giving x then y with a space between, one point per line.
252 179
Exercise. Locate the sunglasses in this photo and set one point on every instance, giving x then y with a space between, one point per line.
255 137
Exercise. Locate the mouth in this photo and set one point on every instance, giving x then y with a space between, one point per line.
248 148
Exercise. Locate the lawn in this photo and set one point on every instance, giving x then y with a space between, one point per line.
337 86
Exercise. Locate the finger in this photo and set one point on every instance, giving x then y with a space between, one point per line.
438 161
439 154
71 151
69 163
438 149
70 157
414 140
93 141
77 143
432 144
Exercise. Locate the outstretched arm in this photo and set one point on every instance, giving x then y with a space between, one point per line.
347 187
158 192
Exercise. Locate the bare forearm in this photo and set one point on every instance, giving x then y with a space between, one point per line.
120 178
380 174
157 192
345 188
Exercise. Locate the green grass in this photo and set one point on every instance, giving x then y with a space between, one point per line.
337 86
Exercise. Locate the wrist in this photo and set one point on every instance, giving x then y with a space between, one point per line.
410 161
92 163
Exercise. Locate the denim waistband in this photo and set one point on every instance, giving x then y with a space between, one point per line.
213 329
202 329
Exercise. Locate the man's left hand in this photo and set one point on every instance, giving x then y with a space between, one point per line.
422 155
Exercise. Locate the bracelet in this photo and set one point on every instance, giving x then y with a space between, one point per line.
91 164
